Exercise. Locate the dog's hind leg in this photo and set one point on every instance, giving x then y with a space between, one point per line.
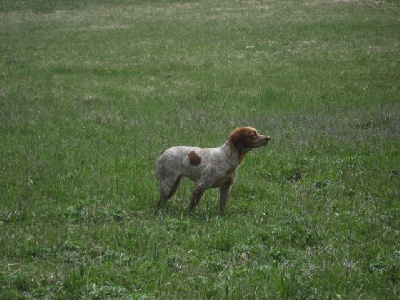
168 187
196 196
201 187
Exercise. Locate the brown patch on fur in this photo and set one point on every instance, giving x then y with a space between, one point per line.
194 159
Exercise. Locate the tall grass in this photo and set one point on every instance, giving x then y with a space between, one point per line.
92 91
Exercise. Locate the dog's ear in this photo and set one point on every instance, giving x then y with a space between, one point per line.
238 138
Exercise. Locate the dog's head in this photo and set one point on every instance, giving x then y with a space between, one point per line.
247 138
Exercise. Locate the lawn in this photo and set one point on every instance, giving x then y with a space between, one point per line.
91 91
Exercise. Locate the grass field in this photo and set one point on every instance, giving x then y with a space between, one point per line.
91 91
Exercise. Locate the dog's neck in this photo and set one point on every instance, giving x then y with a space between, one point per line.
237 150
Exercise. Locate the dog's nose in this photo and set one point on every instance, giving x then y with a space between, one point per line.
267 138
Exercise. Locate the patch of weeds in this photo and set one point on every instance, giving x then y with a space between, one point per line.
322 184
297 170
278 254
378 122
8 294
114 214
273 237
301 233
214 262
292 173
74 258
224 243
349 192
389 266
176 224
69 246
273 234
38 251
286 283
199 283
116 257
293 285
242 251
90 214
393 217
174 263
395 173
75 282
145 296
244 205
71 254
378 266
14 216
75 215
111 291
22 282
325 188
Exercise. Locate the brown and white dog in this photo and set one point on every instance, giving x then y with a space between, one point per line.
208 167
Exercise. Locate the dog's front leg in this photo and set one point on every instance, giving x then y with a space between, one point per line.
225 192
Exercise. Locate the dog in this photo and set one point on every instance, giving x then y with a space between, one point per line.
207 167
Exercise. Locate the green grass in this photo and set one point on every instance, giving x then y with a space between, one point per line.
91 92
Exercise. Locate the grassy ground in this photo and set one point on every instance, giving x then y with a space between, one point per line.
92 91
